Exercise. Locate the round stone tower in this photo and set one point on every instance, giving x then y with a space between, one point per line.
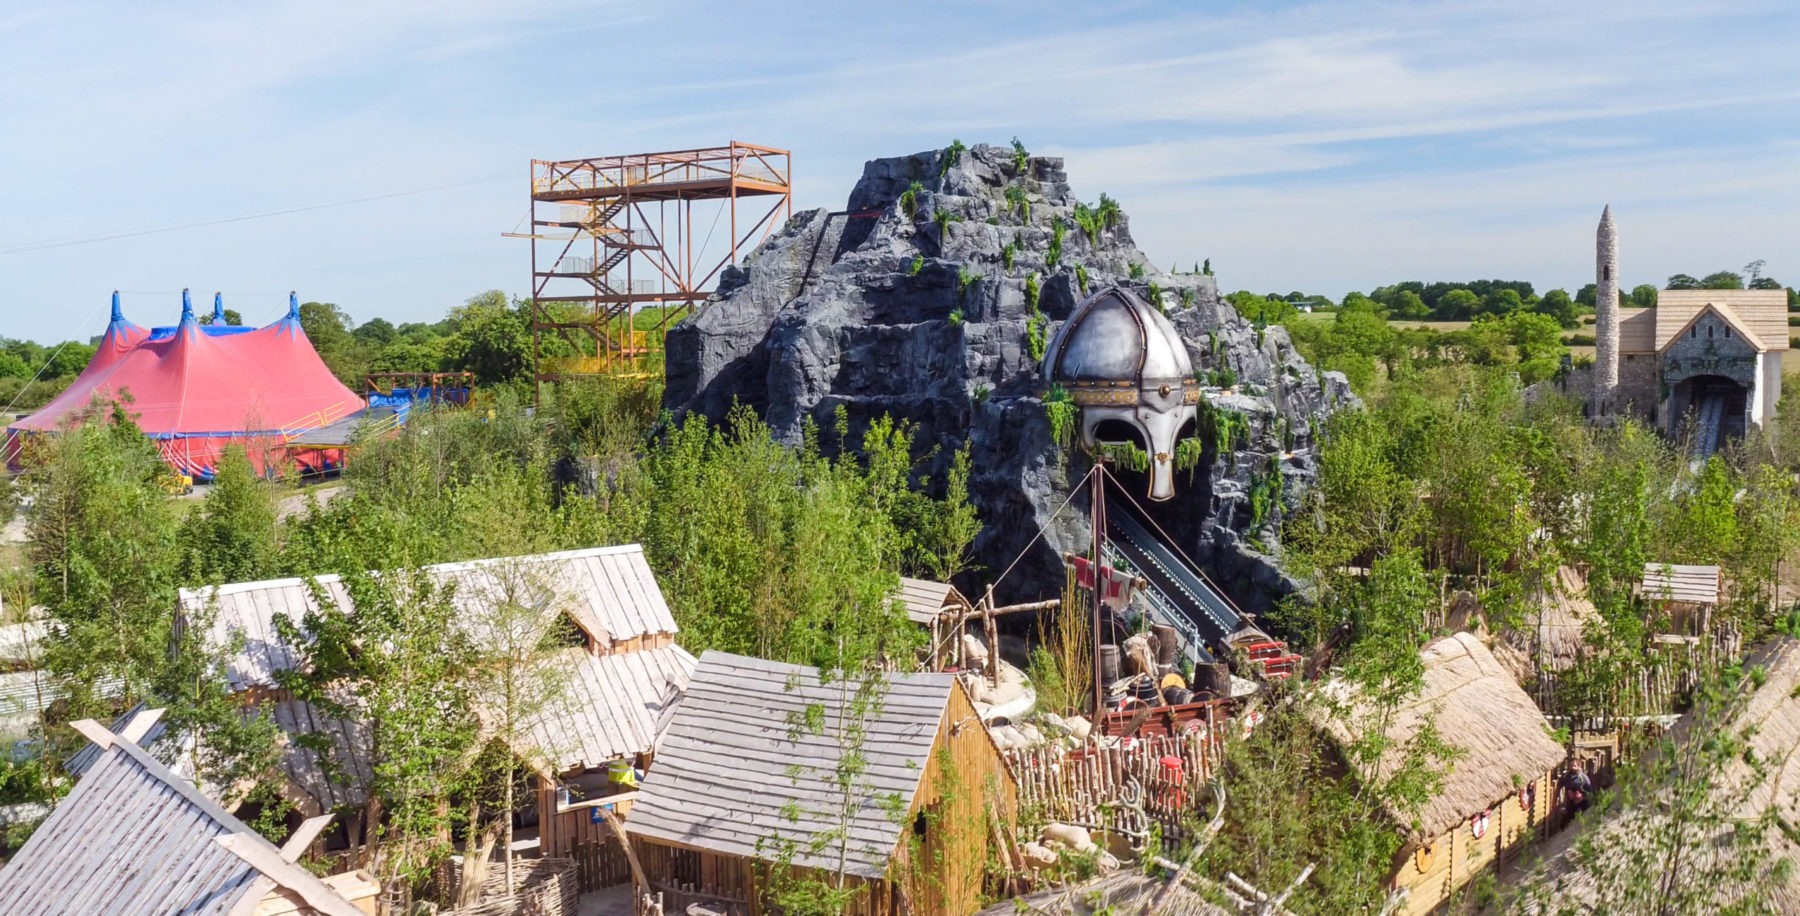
1606 304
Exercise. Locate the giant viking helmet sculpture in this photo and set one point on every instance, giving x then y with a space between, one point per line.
1127 370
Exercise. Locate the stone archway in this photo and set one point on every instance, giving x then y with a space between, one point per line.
1717 406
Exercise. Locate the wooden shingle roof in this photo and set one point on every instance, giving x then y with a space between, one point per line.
134 839
606 707
733 772
925 600
607 591
1687 584
1760 312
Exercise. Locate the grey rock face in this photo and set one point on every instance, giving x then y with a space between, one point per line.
905 304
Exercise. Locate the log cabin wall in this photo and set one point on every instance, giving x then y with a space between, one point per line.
950 835
1437 871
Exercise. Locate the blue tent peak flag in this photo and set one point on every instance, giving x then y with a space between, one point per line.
117 314
218 308
187 307
293 306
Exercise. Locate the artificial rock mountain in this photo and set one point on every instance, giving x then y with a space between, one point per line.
918 305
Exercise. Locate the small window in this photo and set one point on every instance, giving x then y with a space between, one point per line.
1727 332
1693 332
1709 331
1606 272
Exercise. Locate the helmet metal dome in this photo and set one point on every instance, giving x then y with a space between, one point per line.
1123 362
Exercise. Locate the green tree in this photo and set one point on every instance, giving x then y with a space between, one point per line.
1408 305
1643 296
1458 305
232 536
489 339
1558 305
103 547
1681 281
1501 302
399 663
1722 279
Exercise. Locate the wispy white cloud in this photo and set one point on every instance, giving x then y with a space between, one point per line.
1324 145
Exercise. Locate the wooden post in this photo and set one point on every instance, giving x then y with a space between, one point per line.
991 633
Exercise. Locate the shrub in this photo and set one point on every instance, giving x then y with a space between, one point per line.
956 318
1081 277
1054 256
1007 252
1137 271
944 218
1021 159
918 264
1578 340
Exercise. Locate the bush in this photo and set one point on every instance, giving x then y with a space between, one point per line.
1578 340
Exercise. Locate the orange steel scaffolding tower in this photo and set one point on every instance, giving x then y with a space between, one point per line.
622 246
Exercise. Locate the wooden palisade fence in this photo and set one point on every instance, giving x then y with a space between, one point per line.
1120 785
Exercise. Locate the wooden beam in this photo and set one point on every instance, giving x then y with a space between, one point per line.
95 732
140 725
256 853
309 831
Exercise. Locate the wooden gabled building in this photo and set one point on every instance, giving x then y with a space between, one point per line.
135 839
743 793
616 687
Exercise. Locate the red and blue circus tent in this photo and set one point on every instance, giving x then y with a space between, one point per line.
195 388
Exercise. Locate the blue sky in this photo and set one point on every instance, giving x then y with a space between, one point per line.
1316 146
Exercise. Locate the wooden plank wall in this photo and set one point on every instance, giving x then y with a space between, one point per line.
1437 871
966 780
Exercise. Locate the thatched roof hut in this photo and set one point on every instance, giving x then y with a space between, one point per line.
1479 709
1574 880
1552 637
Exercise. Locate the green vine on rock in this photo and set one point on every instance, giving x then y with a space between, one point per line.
1188 452
1021 159
1008 252
1089 221
1060 410
1128 455
1265 493
1016 198
1037 328
1108 212
1156 298
952 156
1081 277
1058 229
918 264
909 200
1137 271
965 278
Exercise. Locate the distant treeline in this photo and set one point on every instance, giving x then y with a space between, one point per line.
1416 300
